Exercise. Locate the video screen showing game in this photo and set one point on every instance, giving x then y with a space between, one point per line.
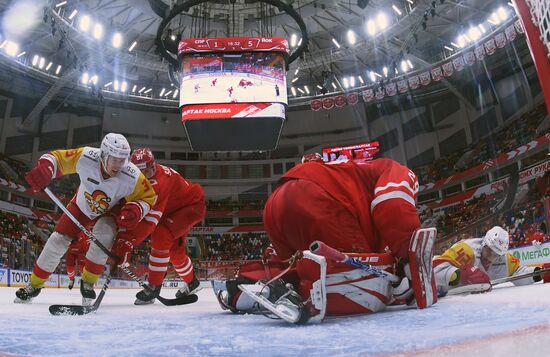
240 77
364 152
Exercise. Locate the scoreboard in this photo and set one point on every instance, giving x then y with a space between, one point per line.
233 92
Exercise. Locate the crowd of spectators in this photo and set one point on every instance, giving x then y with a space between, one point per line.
235 246
229 205
19 245
517 133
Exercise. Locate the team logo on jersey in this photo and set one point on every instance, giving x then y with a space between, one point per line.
98 201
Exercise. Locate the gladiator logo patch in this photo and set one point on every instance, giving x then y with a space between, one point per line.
98 201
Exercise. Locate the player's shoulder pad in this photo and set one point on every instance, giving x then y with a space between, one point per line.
91 153
131 170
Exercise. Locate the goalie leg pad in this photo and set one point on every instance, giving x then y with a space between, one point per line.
347 290
421 268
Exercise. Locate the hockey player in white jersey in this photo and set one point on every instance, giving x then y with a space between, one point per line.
107 178
478 261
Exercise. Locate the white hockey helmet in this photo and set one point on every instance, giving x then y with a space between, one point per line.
497 239
115 145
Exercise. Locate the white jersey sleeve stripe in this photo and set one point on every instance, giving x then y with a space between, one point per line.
392 195
404 184
51 159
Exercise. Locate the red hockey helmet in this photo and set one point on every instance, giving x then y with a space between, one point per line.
144 159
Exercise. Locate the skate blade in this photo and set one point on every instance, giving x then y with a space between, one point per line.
87 301
141 302
283 311
19 301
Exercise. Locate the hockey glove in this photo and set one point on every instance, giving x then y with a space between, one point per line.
40 176
473 275
129 216
123 250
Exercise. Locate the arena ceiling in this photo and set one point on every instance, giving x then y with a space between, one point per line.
353 38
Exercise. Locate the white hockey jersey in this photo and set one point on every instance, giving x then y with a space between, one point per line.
97 195
468 252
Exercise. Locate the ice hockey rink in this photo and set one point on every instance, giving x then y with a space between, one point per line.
509 321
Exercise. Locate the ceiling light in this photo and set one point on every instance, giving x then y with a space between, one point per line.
148 90
385 71
293 90
132 46
107 84
116 85
396 9
502 13
35 59
372 76
49 66
351 37
175 94
98 31
134 88
335 43
371 27
361 79
333 85
142 89
345 82
382 20
448 48
474 33
21 54
352 81
94 79
12 48
41 62
61 4
84 23
85 78
58 69
410 64
300 90
117 40
307 89
293 40
162 92
123 86
404 66
73 14
168 93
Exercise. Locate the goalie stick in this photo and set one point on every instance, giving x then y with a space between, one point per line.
124 267
480 288
324 250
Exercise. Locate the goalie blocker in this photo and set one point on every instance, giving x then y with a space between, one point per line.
315 286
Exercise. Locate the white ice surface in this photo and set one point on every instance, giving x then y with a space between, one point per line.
509 321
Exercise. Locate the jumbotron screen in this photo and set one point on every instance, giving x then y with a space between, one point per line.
365 151
233 93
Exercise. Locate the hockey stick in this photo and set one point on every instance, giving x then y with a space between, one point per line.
168 302
324 250
79 309
485 287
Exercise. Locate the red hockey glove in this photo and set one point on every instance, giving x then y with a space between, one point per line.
473 275
123 250
129 216
40 176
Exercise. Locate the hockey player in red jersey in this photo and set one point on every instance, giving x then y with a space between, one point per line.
76 256
364 208
180 205
230 90
214 81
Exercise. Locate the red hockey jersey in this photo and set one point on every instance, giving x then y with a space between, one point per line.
173 192
373 192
